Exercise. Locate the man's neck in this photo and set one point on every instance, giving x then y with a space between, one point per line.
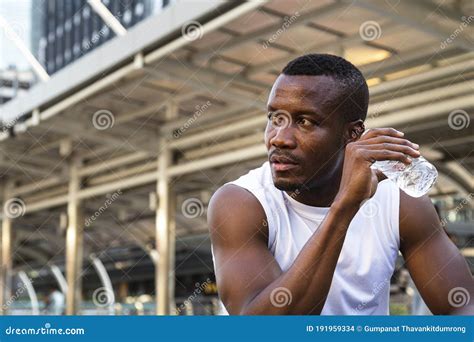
321 196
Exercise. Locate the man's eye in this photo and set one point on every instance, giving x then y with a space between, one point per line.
305 122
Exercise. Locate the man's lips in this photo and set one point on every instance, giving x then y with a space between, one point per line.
282 163
283 166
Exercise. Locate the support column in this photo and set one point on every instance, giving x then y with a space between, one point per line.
31 292
59 278
172 252
7 240
164 272
74 241
108 289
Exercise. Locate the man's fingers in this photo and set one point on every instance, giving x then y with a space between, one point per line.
373 132
388 139
394 147
379 155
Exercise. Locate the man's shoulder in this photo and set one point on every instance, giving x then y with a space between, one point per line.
255 178
231 198
234 211
418 218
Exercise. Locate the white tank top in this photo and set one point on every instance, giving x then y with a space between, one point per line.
361 281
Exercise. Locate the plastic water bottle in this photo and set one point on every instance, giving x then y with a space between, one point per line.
415 179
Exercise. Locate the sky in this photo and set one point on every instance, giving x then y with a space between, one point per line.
17 14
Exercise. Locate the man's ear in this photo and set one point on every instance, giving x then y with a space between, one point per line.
353 131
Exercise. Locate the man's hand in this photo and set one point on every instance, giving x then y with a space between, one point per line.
359 181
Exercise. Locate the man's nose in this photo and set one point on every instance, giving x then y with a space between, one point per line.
284 137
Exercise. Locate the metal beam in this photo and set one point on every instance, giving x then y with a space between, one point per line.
419 56
74 241
31 292
207 85
348 41
107 17
58 275
164 272
269 30
7 257
106 283
405 117
438 93
428 76
414 14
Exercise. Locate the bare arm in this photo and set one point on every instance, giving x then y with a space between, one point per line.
249 278
438 269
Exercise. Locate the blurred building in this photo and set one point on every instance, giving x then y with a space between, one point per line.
63 31
14 82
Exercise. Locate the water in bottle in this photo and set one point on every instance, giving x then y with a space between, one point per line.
415 179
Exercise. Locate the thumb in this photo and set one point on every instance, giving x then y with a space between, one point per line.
380 175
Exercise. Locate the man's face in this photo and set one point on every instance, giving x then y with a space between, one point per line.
304 133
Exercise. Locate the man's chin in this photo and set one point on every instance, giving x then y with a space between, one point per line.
286 185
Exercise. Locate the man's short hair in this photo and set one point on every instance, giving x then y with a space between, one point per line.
353 100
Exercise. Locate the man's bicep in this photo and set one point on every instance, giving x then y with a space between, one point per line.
242 272
244 266
435 263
